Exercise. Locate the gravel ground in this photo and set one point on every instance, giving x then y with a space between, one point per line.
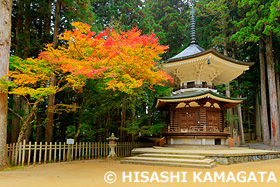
91 173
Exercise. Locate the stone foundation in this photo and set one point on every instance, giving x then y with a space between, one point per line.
241 159
194 141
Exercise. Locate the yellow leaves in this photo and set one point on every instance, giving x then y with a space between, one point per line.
33 92
29 72
29 77
82 27
60 108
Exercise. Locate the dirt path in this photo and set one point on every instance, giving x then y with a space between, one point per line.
91 173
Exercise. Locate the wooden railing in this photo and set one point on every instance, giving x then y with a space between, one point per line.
37 153
194 86
199 128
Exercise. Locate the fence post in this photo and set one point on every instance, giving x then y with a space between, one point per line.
68 153
59 152
117 149
23 153
89 150
95 150
80 148
9 150
72 151
86 150
46 150
106 148
50 153
123 149
40 153
34 156
19 153
83 151
29 153
13 154
54 156
76 150
64 147
101 149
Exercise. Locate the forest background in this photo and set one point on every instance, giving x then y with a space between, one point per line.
246 30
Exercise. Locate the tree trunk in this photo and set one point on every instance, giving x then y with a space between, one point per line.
25 109
258 119
51 98
248 120
123 116
236 121
5 44
133 115
278 85
241 124
47 20
78 130
27 120
274 115
19 28
229 111
50 114
27 24
96 133
264 118
240 120
149 114
63 132
105 132
56 23
15 120
39 127
18 52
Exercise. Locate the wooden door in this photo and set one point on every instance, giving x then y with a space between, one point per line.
213 118
187 118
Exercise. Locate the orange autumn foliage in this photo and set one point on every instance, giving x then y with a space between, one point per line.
125 60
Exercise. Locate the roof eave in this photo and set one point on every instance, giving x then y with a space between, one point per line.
181 99
215 52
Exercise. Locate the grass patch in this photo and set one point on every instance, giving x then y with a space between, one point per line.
13 168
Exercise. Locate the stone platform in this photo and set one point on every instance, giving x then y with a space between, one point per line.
173 160
221 155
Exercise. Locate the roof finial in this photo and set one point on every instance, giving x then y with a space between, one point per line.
193 34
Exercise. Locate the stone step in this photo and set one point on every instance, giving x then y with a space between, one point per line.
172 156
170 164
183 146
171 160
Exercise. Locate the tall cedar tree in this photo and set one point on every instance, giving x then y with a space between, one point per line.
5 43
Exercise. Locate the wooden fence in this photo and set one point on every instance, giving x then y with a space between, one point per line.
37 153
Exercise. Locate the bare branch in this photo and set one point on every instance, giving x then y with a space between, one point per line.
29 104
63 87
59 82
16 114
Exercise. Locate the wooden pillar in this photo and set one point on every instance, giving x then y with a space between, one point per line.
202 116
173 115
222 121
171 119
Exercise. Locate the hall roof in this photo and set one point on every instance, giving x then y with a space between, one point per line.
190 50
195 50
227 102
209 65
